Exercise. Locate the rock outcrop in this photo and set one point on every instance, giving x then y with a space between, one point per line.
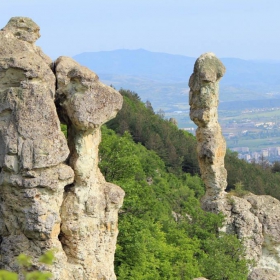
264 274
89 211
53 196
211 145
254 219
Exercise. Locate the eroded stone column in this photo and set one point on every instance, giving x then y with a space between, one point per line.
211 145
90 209
254 219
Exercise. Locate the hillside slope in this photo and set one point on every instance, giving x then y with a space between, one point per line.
163 232
177 148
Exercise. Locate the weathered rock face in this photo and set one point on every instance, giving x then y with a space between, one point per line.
264 274
211 149
32 149
40 205
255 219
89 211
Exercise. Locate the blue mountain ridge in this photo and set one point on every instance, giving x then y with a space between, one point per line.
165 67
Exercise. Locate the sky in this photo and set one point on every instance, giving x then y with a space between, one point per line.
247 29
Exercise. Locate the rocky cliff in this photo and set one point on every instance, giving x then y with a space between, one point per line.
255 219
52 194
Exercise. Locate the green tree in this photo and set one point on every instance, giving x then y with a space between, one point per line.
225 259
275 167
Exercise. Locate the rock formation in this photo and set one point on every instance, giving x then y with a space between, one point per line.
255 219
89 211
211 145
48 198
264 274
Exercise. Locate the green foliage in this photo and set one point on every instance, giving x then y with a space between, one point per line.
117 159
38 275
175 147
255 177
225 259
64 129
47 257
25 263
276 167
7 275
163 232
238 190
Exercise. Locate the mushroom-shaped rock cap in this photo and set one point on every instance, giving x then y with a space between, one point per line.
84 100
23 28
204 89
207 68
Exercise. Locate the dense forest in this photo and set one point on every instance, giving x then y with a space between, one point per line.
163 233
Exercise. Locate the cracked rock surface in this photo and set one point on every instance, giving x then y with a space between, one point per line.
46 200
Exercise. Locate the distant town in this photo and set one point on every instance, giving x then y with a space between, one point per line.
254 134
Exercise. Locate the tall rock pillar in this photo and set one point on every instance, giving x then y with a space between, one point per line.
211 145
254 219
90 209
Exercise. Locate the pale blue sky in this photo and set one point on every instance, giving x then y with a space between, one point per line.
246 29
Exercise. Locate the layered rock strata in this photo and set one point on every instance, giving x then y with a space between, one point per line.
45 201
254 219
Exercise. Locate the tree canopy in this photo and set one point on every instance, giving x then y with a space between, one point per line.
163 232
177 148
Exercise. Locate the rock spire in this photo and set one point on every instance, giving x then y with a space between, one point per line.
52 194
254 219
211 145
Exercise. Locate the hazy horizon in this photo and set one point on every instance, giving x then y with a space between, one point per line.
232 28
137 49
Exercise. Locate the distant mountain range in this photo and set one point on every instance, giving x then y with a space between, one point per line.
141 63
163 78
